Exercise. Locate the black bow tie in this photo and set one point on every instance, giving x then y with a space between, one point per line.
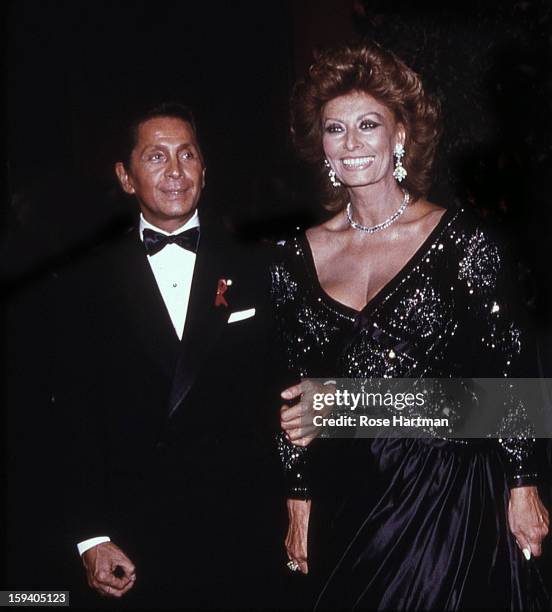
155 241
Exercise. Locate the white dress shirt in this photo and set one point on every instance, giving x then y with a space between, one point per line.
173 268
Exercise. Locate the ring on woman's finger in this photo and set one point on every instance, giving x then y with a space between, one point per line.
292 565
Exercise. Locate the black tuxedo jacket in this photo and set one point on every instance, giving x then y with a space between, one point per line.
170 444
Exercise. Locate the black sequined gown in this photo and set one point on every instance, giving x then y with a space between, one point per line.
409 524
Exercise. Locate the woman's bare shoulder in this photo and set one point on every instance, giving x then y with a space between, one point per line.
320 233
425 208
424 215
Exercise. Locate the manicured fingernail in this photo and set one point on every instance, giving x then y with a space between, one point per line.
527 553
285 394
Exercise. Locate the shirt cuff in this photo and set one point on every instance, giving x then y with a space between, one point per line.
90 543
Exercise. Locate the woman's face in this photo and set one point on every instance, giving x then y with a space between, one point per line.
360 134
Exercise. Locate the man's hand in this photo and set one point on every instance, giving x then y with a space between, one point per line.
108 570
297 420
528 520
296 538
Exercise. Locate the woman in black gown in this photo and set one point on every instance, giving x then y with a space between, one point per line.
396 286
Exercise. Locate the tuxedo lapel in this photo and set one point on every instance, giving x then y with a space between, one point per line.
204 320
148 316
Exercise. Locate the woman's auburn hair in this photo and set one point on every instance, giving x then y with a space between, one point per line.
371 69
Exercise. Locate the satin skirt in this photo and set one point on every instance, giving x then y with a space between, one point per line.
422 526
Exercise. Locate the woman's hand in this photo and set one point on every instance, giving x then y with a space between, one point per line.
296 538
297 420
528 519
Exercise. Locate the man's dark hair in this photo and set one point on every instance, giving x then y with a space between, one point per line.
172 109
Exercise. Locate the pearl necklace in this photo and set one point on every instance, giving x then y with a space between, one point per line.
383 224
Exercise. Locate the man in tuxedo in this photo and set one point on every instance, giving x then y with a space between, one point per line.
174 497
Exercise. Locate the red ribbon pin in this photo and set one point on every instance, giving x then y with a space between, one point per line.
222 288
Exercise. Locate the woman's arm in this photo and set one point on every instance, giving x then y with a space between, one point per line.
291 447
503 350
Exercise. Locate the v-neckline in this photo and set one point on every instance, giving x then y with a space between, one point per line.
388 287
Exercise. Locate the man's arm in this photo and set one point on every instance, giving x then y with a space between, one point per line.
82 461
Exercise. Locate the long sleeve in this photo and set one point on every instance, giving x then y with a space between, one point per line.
79 415
294 459
499 346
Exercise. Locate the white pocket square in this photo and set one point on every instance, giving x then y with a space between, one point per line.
241 314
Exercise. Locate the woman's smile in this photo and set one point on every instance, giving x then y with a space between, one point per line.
357 163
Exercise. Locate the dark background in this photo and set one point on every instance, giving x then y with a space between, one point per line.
76 69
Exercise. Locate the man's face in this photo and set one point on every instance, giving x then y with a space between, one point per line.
166 172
